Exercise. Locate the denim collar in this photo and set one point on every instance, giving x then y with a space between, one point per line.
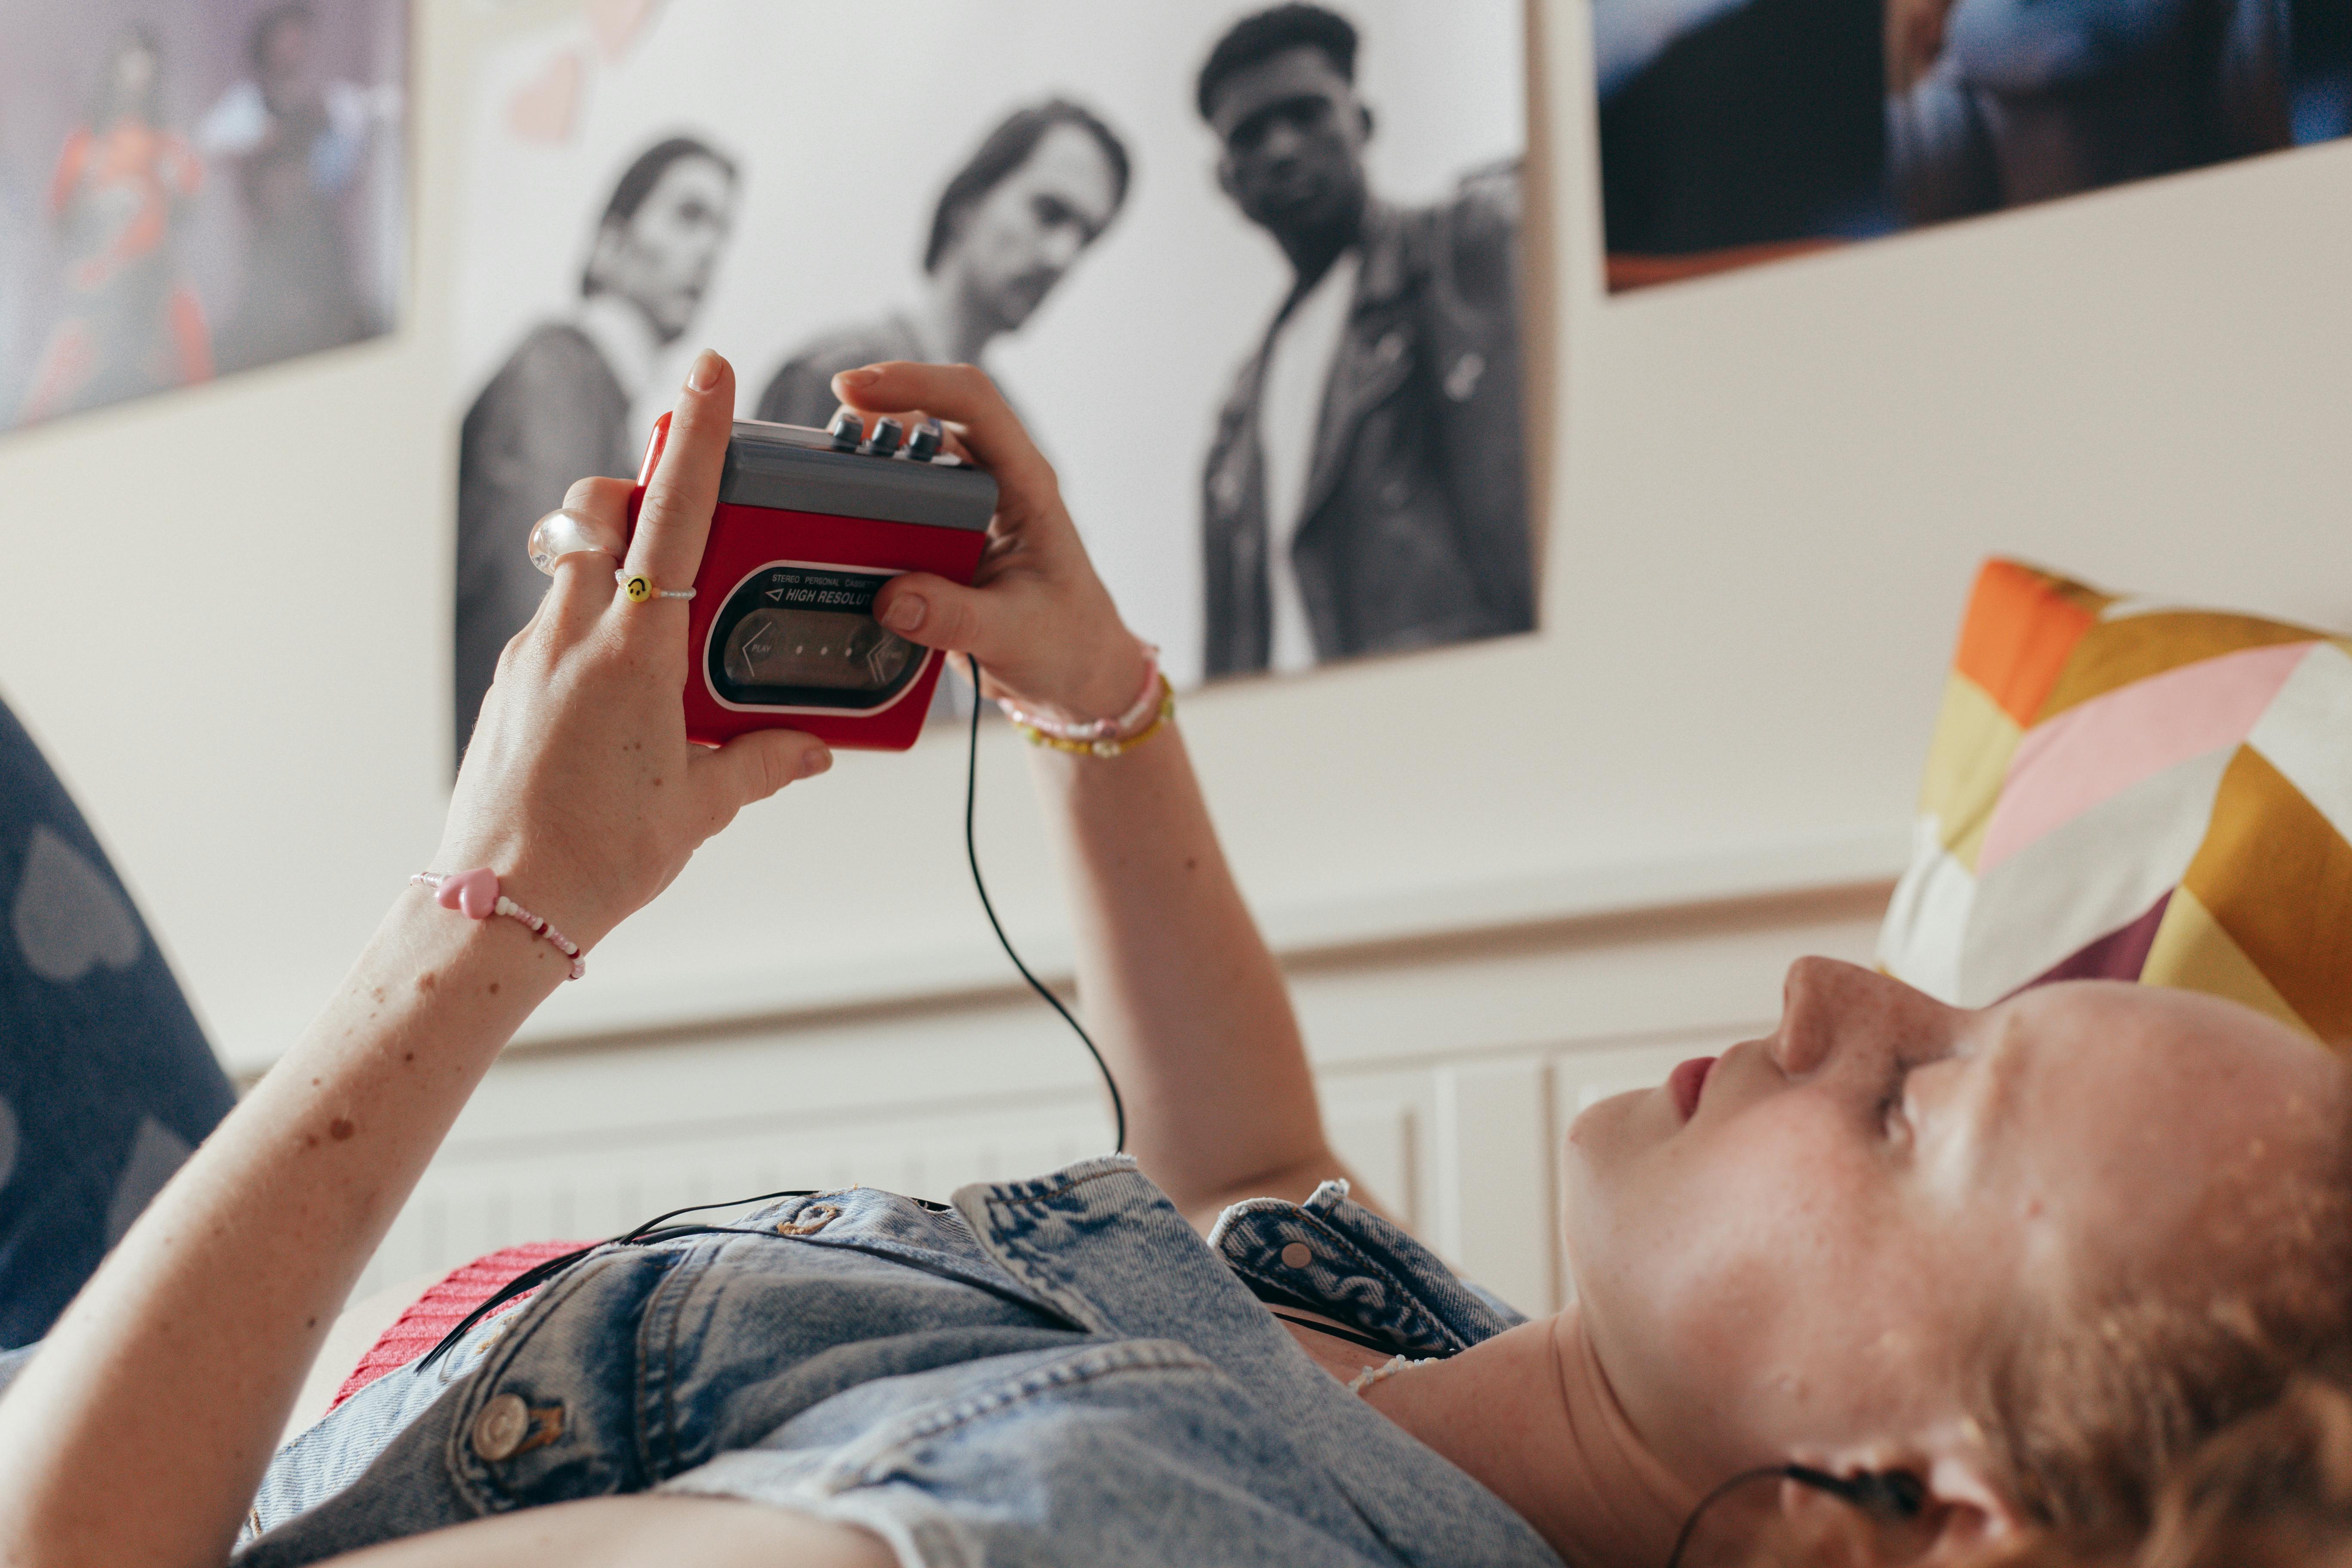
1099 1243
1337 1258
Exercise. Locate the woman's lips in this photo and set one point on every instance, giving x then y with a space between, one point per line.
1687 1082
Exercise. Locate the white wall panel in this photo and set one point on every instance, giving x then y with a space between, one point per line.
1493 1175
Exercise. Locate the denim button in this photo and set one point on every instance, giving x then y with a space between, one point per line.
500 1429
1298 1255
809 1220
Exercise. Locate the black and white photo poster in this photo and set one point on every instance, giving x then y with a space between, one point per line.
1251 276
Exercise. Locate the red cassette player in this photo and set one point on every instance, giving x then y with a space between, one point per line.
810 524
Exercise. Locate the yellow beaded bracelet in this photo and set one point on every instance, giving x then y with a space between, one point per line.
1109 746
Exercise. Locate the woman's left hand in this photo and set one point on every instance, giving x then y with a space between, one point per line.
580 788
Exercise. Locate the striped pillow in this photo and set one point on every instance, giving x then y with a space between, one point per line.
2134 790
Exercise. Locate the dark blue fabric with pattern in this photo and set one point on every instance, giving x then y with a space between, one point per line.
106 1081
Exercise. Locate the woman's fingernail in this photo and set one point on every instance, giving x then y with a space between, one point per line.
816 762
858 378
905 613
703 375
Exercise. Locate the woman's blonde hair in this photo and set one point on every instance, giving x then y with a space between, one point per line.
2272 1490
2102 1396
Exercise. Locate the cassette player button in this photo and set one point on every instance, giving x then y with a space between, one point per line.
846 430
924 444
886 437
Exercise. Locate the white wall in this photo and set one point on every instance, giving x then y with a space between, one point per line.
1769 495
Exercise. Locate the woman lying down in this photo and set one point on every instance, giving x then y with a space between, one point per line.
1935 1283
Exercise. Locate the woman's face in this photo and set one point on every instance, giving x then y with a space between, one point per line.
1796 1253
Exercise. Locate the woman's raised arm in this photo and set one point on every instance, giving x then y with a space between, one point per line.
141 1427
1179 989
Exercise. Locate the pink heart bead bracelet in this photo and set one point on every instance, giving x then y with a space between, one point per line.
475 894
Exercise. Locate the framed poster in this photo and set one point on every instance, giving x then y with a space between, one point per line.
188 192
1734 131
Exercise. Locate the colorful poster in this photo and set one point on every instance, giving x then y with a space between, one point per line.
190 190
1734 131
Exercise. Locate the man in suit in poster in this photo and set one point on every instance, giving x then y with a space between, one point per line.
1365 489
559 407
1033 196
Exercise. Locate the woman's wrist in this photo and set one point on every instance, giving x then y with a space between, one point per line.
1117 691
508 958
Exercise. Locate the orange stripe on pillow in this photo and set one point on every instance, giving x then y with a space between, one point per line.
2021 627
2118 652
2277 877
2193 952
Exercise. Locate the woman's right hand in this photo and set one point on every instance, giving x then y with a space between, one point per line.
580 787
1036 618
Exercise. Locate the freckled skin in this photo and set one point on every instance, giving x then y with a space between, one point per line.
1798 1267
340 1129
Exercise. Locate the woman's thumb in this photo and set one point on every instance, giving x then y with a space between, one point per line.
755 766
936 613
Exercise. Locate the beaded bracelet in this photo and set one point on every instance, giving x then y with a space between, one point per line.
1108 747
475 894
1095 729
1365 1379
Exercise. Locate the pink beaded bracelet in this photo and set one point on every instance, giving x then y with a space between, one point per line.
1095 729
475 894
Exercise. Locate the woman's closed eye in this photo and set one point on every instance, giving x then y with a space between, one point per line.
1894 1117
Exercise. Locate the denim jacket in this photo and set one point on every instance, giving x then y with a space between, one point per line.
1056 1371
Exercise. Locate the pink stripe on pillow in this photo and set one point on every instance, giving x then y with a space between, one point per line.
2091 753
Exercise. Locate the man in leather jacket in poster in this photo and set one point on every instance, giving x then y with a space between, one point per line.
1365 489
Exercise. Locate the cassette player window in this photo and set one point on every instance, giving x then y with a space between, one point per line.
801 636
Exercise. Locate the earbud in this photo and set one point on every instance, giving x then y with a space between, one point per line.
1892 1495
1889 1494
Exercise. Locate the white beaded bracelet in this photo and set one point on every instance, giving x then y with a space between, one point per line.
1380 1373
1093 729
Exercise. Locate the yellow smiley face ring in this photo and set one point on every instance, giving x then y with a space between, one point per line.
640 587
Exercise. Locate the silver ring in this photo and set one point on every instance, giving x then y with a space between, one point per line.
566 532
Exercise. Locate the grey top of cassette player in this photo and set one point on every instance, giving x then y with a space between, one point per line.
797 469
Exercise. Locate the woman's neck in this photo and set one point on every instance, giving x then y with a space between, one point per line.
1530 1415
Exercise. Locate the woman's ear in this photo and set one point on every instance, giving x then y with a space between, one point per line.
1960 1513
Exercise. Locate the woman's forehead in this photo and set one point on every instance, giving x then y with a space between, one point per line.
2123 1110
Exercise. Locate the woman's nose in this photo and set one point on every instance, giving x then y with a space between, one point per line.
1823 1002
1805 1038
1830 1009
